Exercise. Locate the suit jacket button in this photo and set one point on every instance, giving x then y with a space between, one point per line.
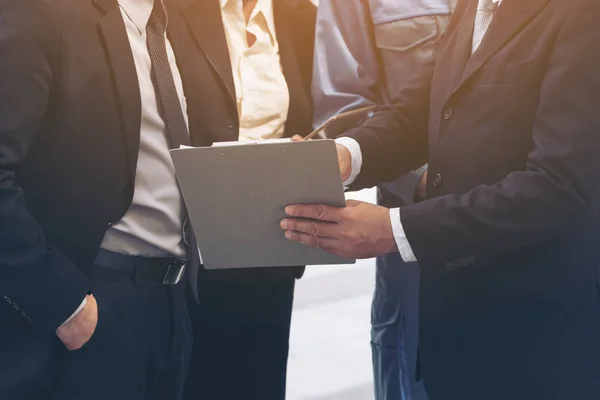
437 181
8 300
448 113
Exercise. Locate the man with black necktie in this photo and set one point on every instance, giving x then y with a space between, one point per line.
507 239
93 240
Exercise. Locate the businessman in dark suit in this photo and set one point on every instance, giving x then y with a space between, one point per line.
92 238
508 238
254 59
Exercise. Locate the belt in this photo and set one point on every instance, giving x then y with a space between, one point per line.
159 270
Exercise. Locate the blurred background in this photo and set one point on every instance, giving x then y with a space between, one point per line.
330 355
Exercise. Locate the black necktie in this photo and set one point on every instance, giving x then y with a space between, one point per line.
170 110
167 98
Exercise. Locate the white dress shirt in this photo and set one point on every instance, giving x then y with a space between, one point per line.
261 89
153 224
402 243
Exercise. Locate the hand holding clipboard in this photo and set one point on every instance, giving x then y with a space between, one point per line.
334 127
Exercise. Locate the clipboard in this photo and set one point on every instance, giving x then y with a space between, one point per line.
236 195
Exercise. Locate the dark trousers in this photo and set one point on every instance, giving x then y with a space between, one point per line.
241 340
139 351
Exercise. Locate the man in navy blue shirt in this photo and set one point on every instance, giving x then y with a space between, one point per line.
366 52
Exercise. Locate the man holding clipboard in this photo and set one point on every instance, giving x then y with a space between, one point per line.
507 238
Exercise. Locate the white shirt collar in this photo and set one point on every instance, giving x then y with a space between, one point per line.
138 12
264 7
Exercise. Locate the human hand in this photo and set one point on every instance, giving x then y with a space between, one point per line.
344 161
360 230
421 191
79 330
344 157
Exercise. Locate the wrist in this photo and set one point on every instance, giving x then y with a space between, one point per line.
421 189
346 161
79 309
421 171
402 244
77 332
387 242
77 316
350 158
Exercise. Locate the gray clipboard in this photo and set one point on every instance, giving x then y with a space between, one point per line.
236 195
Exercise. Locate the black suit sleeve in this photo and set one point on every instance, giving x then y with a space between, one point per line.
560 186
35 278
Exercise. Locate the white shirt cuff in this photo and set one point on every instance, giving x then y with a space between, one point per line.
83 303
356 156
400 236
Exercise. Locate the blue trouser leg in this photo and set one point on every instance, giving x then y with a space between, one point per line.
387 357
394 335
395 312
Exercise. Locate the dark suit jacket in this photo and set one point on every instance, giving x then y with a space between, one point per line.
508 239
204 57
69 139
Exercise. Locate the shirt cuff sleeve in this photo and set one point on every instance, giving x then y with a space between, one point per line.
400 236
83 303
356 155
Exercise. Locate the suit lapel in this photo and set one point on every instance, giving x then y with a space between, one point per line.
509 19
299 108
125 77
204 21
463 41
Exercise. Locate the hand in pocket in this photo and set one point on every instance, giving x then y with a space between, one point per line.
75 333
